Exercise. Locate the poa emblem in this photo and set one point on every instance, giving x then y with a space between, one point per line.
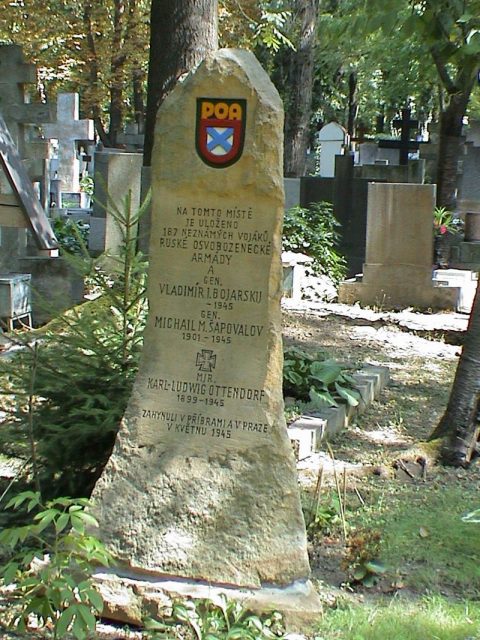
220 130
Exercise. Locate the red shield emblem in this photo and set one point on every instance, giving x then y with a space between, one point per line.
220 130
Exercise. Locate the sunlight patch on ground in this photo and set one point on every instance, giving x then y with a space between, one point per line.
384 436
403 342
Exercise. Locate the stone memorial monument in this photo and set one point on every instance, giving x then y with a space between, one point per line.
397 272
201 484
68 130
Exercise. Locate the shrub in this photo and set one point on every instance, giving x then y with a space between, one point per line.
67 389
72 235
219 620
49 572
314 232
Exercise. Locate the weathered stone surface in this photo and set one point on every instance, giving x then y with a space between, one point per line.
202 481
125 599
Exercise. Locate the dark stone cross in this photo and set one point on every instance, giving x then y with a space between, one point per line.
404 144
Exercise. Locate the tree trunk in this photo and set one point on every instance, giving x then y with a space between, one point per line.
450 148
298 112
138 98
460 423
94 106
352 103
117 62
137 72
182 32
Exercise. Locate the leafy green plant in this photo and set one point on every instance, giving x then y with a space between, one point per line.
444 222
87 185
222 620
314 232
85 362
49 572
326 516
317 380
72 235
362 557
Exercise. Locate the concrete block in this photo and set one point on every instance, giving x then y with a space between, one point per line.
379 375
308 431
304 441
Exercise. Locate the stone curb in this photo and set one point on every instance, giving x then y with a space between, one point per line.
308 431
130 599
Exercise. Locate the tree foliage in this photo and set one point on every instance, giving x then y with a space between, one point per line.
96 48
449 32
388 78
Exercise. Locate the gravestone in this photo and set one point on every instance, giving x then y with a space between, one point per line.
331 139
117 174
132 138
397 272
367 152
69 130
22 208
202 484
16 108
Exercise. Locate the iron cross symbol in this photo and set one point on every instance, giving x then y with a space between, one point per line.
206 360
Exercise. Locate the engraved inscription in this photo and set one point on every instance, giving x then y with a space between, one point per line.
205 304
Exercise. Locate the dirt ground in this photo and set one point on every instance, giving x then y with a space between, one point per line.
421 352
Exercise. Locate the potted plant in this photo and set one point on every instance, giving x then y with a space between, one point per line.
445 227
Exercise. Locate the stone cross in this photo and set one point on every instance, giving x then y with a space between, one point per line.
202 482
23 199
69 130
404 144
18 113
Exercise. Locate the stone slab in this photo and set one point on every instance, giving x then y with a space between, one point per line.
129 600
202 481
465 280
303 439
399 295
365 389
379 375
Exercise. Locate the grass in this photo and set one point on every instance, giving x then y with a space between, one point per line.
423 539
431 618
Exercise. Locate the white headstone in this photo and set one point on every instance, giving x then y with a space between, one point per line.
331 138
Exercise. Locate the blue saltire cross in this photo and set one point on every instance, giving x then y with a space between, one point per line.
220 138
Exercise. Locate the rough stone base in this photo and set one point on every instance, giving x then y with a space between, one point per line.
130 599
398 295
